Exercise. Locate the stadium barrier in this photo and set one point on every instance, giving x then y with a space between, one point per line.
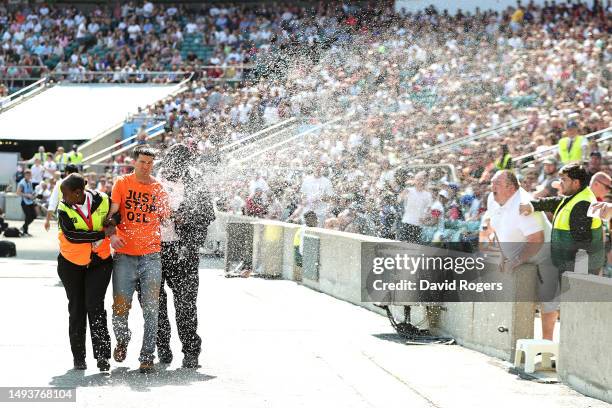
491 328
584 359
338 273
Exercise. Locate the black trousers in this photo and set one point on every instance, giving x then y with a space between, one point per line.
29 210
85 289
180 271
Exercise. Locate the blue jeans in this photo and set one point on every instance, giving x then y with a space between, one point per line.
128 272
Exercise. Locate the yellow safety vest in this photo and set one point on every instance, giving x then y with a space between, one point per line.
561 218
563 246
75 158
504 164
574 154
80 254
61 158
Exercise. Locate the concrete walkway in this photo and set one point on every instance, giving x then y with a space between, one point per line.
267 343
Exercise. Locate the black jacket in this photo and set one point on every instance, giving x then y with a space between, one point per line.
195 213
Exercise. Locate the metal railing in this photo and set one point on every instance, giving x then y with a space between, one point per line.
545 153
235 149
282 145
117 145
118 76
180 87
98 162
452 144
16 97
22 73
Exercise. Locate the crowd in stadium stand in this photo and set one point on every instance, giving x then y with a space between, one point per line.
128 41
411 82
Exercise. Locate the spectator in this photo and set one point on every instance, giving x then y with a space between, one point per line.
50 167
416 202
25 190
38 172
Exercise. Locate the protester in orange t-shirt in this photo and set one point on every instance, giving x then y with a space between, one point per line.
141 203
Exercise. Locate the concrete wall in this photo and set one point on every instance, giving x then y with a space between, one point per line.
340 265
12 207
474 325
585 360
103 141
493 327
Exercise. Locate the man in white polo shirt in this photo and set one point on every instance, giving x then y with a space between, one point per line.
416 202
522 238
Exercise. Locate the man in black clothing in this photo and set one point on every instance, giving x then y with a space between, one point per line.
180 254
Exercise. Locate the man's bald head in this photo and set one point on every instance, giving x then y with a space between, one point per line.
601 184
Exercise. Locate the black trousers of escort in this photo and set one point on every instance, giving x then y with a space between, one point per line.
85 288
180 270
29 211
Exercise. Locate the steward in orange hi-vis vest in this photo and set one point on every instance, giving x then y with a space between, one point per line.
84 266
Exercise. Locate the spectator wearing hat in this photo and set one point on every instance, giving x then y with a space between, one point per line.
572 146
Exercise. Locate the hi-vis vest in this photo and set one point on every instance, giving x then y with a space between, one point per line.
75 158
563 246
61 158
298 249
504 164
573 155
80 254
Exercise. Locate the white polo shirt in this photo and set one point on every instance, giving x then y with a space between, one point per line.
512 228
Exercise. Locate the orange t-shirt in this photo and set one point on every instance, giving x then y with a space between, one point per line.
141 207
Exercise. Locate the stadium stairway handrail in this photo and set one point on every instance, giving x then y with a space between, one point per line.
550 151
451 144
157 133
255 136
279 146
180 87
24 93
150 130
261 140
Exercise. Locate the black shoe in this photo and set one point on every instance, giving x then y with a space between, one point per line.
164 356
190 362
80 365
146 367
103 364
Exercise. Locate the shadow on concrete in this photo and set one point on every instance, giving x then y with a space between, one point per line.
132 378
393 337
